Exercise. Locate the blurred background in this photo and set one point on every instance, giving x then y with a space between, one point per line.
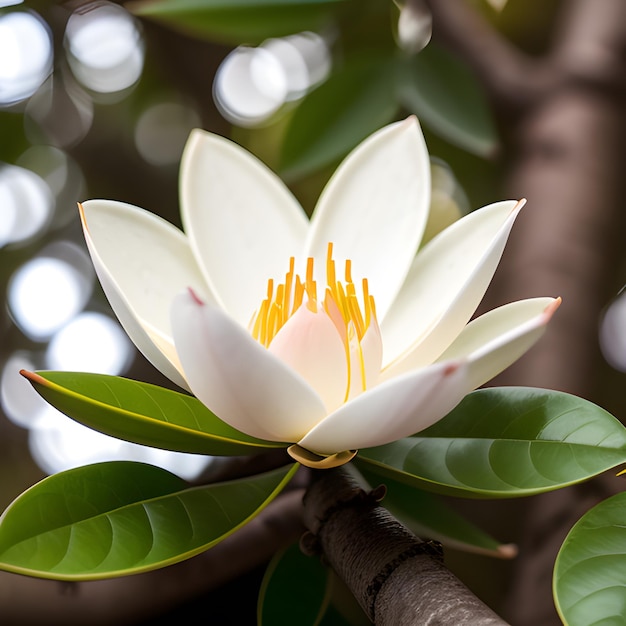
97 100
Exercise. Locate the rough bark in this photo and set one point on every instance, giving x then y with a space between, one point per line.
396 577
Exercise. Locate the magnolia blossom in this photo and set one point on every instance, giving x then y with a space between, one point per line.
331 334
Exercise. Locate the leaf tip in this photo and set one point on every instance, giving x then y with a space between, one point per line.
33 377
507 551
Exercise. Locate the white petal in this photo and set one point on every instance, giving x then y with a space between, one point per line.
142 262
365 360
237 378
445 285
374 209
241 220
495 340
372 346
395 409
310 344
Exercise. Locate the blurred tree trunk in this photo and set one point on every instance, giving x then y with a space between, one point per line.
563 115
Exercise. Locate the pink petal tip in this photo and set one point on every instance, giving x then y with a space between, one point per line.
551 308
195 297
451 368
520 204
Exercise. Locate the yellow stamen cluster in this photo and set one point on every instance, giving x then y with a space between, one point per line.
284 300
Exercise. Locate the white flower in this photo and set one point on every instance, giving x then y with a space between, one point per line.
330 334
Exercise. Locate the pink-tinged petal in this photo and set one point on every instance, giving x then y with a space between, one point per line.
142 262
237 378
395 409
372 346
365 360
310 345
242 222
495 340
445 285
374 209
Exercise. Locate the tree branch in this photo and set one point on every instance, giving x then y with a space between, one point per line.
395 576
591 43
511 78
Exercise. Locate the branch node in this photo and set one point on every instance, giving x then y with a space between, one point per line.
310 544
358 498
378 493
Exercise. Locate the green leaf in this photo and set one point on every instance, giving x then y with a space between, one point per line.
295 589
589 581
446 97
240 21
354 102
143 413
118 518
505 442
429 518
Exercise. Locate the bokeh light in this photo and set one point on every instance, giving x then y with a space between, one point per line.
60 113
315 53
26 204
46 292
104 47
90 342
19 402
448 200
58 443
25 55
162 130
252 84
445 185
63 176
415 26
613 332
293 66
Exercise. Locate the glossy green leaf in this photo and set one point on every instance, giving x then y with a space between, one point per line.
429 518
118 518
446 97
589 581
354 102
143 413
505 442
333 617
295 590
239 21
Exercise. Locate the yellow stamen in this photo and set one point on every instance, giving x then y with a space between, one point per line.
287 291
367 301
298 295
348 271
330 267
352 316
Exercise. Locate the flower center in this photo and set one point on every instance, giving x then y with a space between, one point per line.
340 302
340 311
